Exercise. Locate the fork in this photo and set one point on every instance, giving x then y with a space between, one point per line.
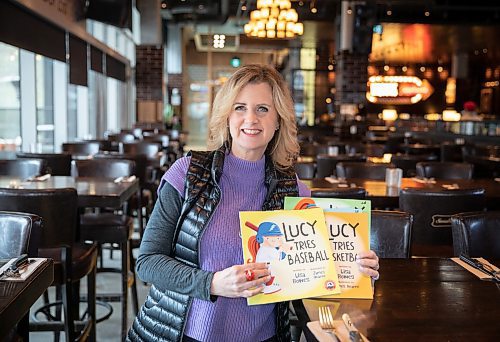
326 320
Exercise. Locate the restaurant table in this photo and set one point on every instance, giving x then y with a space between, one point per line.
92 191
382 196
421 299
16 298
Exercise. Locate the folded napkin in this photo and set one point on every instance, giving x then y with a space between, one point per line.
25 272
125 179
341 333
41 178
332 180
478 273
424 180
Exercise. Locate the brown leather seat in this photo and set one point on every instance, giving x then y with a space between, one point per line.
477 234
22 168
325 164
57 164
156 166
114 228
160 138
144 199
81 148
121 137
390 233
445 170
19 234
432 210
408 162
349 193
451 152
305 170
58 240
362 170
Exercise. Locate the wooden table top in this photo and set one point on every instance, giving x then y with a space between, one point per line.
421 299
92 192
16 297
381 195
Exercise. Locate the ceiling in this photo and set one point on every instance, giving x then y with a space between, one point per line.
420 30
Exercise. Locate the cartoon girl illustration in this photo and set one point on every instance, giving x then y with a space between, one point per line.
268 245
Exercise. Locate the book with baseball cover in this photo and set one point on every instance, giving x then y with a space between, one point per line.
296 246
348 226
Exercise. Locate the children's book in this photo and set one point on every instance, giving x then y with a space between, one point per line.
348 227
295 244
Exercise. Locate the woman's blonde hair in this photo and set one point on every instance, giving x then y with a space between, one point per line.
283 147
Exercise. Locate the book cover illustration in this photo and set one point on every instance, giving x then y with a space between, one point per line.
296 246
348 226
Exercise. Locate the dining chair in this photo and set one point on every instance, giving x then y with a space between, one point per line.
121 137
57 164
362 170
22 168
305 170
73 260
390 234
432 211
308 149
408 162
156 163
348 193
451 152
80 148
160 138
325 164
114 228
19 234
476 234
141 204
444 170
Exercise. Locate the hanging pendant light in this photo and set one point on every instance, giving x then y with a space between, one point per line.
274 19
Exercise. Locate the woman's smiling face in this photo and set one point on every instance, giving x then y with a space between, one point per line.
253 121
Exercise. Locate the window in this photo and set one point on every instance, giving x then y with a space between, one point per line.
10 104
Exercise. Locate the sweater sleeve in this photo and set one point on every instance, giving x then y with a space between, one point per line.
304 191
154 263
176 175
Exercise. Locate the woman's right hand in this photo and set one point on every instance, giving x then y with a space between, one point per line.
232 281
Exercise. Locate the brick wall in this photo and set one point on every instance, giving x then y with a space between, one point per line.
149 72
351 77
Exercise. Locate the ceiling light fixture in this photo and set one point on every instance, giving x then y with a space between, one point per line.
274 19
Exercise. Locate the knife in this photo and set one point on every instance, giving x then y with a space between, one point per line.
15 266
354 334
19 263
485 268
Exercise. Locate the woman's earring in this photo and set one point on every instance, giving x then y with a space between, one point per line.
277 127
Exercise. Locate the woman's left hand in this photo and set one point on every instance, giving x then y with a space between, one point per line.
368 264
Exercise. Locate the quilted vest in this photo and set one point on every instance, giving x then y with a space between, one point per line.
163 315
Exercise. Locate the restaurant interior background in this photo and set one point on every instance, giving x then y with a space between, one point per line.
72 69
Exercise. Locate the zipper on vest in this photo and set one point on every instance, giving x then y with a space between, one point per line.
198 243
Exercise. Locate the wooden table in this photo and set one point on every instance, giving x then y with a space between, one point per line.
384 197
92 192
420 300
16 297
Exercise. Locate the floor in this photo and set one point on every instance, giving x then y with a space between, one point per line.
108 330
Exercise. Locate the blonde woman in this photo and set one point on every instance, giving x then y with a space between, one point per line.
191 249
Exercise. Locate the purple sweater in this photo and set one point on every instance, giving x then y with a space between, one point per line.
243 189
